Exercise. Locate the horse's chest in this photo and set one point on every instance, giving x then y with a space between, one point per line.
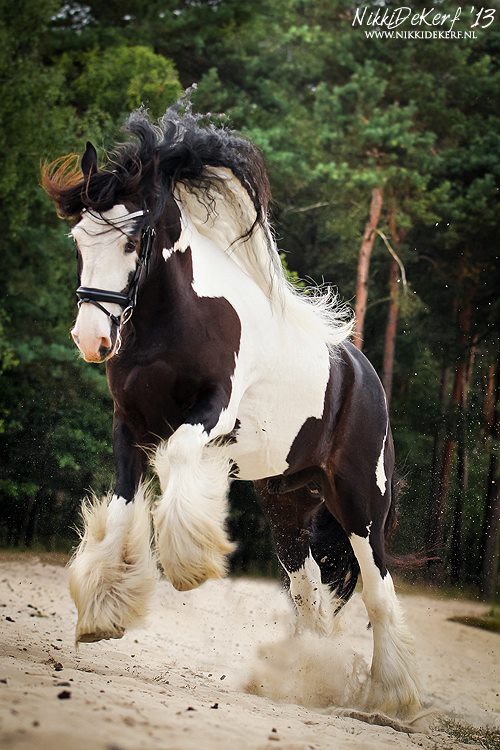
153 398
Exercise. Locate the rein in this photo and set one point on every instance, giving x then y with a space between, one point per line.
128 299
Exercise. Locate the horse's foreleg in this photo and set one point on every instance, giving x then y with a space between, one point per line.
190 517
113 573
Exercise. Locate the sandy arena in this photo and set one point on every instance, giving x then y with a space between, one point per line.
180 683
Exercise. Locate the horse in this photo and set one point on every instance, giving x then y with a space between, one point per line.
221 370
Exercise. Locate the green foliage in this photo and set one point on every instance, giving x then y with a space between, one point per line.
117 80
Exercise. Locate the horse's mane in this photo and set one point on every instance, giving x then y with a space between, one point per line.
219 180
157 156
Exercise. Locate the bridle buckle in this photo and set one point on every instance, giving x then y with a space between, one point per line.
126 315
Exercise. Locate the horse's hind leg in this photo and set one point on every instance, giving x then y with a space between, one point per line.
330 546
310 551
393 686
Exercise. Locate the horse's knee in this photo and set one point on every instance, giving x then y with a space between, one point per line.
186 444
180 453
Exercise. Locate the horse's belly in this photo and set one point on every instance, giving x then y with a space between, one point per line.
272 412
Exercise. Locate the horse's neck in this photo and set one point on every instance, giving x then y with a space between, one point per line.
225 216
161 296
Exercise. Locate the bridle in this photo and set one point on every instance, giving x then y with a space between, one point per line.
127 299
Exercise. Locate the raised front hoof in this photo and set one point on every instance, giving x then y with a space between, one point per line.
190 580
202 566
192 556
99 635
182 586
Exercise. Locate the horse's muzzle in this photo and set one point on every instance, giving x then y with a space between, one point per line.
97 350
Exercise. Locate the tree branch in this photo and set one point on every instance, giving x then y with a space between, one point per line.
396 258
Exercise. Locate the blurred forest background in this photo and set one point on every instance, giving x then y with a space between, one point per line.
385 167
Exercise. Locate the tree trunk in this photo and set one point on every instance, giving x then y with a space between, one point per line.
434 479
32 518
491 527
465 322
489 401
435 537
365 252
391 330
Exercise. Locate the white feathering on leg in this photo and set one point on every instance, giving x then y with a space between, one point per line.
113 571
394 685
190 517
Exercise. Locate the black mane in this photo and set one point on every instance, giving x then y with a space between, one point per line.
145 168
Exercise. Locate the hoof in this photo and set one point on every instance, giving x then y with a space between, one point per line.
184 585
100 636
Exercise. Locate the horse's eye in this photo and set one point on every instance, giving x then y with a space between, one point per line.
131 246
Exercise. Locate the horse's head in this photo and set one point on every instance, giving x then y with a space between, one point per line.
109 251
113 239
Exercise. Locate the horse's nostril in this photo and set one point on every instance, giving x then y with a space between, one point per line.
105 346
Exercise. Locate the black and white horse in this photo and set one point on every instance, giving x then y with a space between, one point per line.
223 370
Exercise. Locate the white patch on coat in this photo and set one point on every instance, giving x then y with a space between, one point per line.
380 470
113 572
393 687
314 601
190 517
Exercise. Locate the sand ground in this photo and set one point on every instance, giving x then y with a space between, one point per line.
179 683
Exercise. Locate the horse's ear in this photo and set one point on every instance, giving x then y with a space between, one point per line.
89 161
